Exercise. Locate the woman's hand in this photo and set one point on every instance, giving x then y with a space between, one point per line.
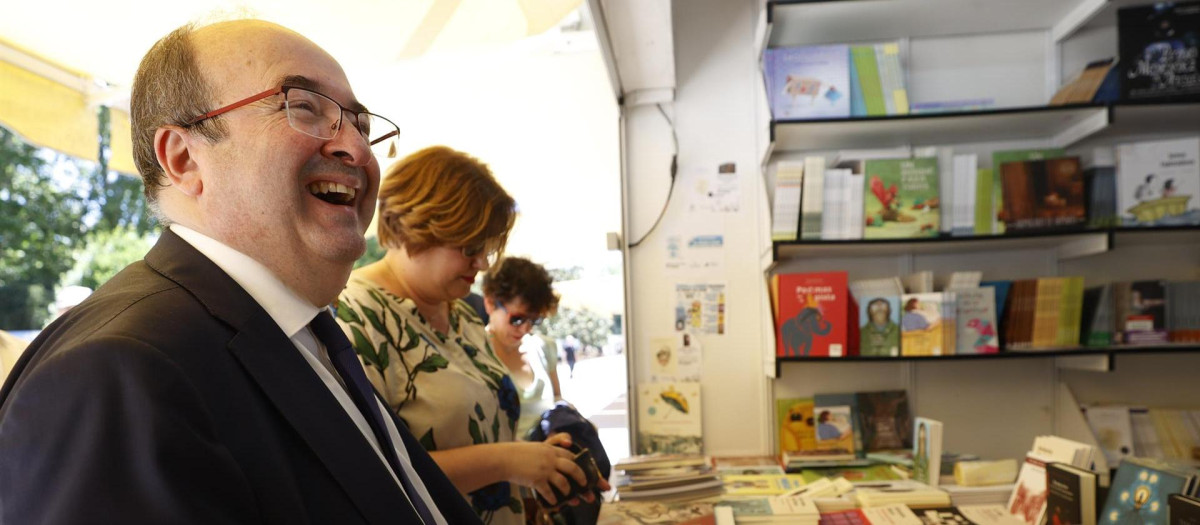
545 464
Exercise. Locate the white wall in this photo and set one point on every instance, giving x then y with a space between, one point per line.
714 113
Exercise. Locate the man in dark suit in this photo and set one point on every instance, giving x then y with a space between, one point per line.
202 384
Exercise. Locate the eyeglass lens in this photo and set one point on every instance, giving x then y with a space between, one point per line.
319 116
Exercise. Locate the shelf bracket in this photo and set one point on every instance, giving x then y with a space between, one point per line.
1089 363
1083 246
1078 131
1076 19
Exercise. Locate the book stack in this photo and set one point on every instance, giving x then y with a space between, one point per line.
761 484
986 495
1028 498
797 510
669 477
657 512
907 492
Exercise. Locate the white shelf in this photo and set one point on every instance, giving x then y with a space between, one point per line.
1160 119
819 22
1061 125
1068 245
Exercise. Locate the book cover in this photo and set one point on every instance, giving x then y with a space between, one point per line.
761 484
984 200
1096 325
785 216
869 85
1113 430
879 316
1042 194
849 400
669 418
1142 312
795 420
927 451
1158 45
656 512
901 198
891 78
813 314
771 510
747 465
977 321
835 431
1183 510
886 423
998 160
1183 311
1100 185
1002 288
921 324
812 200
942 516
1028 499
1158 182
809 82
1139 490
1070 495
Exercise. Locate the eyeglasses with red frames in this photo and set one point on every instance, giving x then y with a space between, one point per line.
318 116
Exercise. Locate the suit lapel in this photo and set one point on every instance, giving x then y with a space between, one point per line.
274 363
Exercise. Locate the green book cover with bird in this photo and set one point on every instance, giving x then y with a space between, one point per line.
901 198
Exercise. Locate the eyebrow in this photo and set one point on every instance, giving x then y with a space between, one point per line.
302 81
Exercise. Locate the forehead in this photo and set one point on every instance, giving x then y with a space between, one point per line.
245 57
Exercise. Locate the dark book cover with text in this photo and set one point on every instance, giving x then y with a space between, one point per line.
1158 45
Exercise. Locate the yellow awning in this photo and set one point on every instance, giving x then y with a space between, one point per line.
121 143
47 113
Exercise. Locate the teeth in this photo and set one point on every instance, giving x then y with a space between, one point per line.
339 193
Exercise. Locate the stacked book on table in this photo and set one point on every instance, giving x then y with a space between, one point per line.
906 492
798 510
666 478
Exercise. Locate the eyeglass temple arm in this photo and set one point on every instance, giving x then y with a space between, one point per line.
235 105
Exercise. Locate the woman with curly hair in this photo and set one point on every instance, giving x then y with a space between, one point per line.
443 219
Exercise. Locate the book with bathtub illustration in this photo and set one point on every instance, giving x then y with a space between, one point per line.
1158 182
810 82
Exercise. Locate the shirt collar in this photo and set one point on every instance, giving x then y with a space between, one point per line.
290 311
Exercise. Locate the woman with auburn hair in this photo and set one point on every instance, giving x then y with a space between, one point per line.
443 219
517 294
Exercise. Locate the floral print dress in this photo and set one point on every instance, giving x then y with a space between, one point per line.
449 388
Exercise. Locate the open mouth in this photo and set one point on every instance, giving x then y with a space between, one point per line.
332 192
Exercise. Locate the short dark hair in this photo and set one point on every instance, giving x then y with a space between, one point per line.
168 89
520 278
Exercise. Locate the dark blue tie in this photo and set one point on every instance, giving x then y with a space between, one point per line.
345 361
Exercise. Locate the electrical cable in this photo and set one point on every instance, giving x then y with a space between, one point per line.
671 188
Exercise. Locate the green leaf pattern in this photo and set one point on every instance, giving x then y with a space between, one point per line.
438 383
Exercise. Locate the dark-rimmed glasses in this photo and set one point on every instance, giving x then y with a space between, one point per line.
319 116
490 255
519 321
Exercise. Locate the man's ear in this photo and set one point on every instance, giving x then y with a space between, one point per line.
172 147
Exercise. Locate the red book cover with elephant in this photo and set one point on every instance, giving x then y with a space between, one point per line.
815 315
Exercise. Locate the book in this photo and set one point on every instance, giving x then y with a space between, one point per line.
669 418
1113 430
813 315
984 201
879 316
1096 324
657 512
795 420
1070 495
901 198
924 324
746 465
1042 194
834 429
976 319
965 191
795 510
849 400
785 222
891 78
809 82
1140 312
886 424
1100 186
1082 89
998 160
892 514
1139 491
1157 47
988 515
927 451
1183 311
942 516
869 85
1028 499
907 492
761 484
812 198
1183 510
1158 182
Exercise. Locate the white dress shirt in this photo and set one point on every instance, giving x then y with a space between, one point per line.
293 314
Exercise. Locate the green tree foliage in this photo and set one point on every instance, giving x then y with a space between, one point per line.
590 328
108 252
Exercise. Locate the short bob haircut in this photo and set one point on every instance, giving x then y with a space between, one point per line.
518 278
442 197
